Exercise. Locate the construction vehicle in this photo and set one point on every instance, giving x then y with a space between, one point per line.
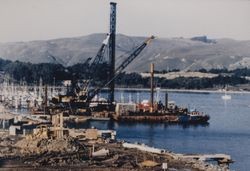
82 99
91 63
118 70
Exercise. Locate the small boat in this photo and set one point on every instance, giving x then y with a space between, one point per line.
193 117
100 118
226 97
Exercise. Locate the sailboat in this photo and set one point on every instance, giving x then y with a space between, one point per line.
226 96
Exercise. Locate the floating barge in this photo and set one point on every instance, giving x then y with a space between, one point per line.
149 111
166 118
177 115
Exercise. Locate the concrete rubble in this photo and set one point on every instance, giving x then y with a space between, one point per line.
56 147
67 152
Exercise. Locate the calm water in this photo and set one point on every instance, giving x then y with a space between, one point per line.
228 130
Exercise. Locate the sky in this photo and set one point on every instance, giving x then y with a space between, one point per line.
26 20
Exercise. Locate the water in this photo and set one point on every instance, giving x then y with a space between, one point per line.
228 130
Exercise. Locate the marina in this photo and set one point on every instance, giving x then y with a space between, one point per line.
87 104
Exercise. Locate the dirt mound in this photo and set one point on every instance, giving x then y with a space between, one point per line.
40 145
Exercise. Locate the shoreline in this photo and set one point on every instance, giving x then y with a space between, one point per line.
183 90
26 153
118 150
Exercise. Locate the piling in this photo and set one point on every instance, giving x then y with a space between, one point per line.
152 87
166 101
112 50
46 97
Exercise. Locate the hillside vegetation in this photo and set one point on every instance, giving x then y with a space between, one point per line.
167 53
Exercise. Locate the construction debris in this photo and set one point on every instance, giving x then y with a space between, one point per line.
68 152
148 163
100 153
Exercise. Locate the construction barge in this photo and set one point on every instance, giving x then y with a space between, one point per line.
150 111
163 117
144 113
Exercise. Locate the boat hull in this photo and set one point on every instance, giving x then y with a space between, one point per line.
166 118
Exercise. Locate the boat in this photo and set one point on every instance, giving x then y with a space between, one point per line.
100 118
226 96
194 117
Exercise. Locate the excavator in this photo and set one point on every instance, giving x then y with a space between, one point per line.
82 98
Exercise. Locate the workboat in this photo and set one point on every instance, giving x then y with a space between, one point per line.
193 117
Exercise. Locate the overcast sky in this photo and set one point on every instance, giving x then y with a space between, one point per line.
23 20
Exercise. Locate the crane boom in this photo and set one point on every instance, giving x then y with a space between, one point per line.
124 64
133 55
98 58
100 53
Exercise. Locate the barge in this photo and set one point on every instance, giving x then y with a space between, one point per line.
141 113
150 111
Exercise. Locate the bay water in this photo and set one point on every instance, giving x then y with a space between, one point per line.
228 131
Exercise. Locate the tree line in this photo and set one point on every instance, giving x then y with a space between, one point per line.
49 72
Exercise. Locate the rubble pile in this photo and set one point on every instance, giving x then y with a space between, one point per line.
51 152
69 153
7 146
133 159
42 145
43 152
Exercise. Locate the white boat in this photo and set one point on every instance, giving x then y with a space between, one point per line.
226 96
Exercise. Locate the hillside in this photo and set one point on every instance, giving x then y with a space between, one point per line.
166 53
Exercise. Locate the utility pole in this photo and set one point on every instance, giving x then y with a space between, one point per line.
112 50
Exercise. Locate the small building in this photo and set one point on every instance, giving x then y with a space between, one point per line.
107 134
92 134
66 83
57 130
123 108
15 129
171 105
6 120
